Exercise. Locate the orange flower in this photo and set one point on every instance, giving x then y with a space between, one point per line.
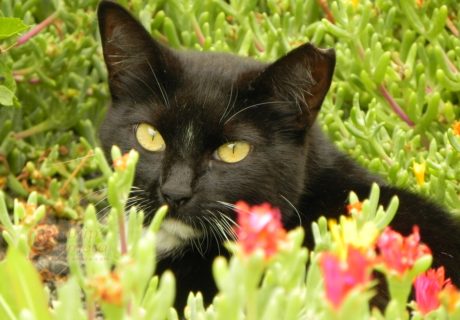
450 297
108 288
456 128
399 253
121 163
259 227
358 206
340 277
428 286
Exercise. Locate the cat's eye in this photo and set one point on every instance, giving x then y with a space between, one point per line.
149 138
232 152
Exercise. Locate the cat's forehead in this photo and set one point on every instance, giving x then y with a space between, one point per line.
212 81
213 65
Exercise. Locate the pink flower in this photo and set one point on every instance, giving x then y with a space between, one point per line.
260 227
399 253
340 277
428 286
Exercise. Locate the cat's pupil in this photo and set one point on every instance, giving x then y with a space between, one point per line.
152 133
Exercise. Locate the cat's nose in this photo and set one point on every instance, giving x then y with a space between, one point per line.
176 187
176 197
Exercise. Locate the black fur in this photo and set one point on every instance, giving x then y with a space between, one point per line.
198 101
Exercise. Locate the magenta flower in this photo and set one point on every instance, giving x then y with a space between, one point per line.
259 227
428 286
340 277
399 253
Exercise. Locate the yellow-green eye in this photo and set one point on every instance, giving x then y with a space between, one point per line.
232 152
149 138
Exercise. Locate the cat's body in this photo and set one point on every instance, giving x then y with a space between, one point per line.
200 102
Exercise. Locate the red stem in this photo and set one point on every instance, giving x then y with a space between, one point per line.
37 29
452 27
394 105
123 241
259 45
325 7
199 33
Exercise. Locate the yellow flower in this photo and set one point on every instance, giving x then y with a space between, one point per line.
348 233
419 172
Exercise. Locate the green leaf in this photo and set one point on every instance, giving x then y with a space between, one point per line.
21 288
6 96
10 27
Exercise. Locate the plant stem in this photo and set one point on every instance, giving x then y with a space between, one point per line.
42 126
323 4
394 105
122 228
75 172
198 32
37 29
452 27
91 310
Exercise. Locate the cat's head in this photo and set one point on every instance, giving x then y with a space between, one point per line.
210 128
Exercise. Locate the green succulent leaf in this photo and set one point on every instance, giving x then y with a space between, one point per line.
10 27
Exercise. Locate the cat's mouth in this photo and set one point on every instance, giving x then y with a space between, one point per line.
174 235
199 232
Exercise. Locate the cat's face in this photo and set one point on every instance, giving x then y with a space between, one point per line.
211 129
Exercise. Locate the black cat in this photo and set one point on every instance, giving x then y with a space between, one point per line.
213 128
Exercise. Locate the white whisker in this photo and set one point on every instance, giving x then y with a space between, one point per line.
293 207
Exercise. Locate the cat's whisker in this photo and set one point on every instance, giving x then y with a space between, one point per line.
212 231
229 225
102 192
160 87
223 230
293 207
203 239
230 104
134 76
78 159
219 236
255 106
119 56
206 237
227 205
225 225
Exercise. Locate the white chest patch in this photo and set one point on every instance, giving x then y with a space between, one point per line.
173 236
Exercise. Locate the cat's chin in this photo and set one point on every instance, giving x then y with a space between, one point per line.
173 237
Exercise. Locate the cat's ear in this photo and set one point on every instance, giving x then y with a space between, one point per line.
303 77
130 53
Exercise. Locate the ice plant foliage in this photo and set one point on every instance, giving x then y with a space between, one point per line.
417 56
259 227
399 253
342 276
